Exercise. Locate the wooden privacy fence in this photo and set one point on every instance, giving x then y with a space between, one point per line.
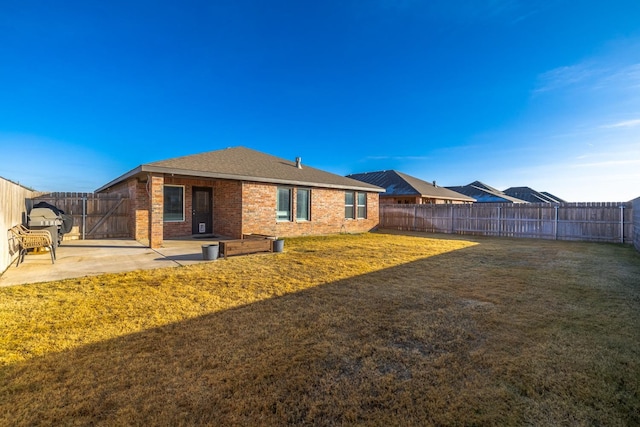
13 211
591 222
636 223
95 216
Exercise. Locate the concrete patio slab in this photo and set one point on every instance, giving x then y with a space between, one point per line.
78 258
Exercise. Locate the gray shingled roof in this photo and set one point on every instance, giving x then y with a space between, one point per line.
400 184
484 193
530 195
554 197
244 164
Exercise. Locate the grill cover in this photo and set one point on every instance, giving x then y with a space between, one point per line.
39 217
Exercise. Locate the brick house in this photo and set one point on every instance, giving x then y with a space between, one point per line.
236 191
401 188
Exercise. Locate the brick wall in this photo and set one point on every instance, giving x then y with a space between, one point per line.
185 228
140 208
227 208
139 205
327 212
259 208
156 206
238 207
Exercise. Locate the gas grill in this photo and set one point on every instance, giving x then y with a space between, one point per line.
45 216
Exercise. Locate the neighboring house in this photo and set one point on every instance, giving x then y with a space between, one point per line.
532 196
551 196
403 188
236 191
485 194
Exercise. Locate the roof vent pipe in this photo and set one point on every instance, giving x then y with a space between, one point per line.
298 162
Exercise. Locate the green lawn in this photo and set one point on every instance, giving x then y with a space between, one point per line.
373 329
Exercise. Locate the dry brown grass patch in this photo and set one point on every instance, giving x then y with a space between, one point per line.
372 329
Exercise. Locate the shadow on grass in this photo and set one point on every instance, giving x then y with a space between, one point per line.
427 342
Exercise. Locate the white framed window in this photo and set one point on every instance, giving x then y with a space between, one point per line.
303 204
283 204
362 206
173 203
349 201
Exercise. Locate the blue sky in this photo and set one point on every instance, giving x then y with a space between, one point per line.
533 93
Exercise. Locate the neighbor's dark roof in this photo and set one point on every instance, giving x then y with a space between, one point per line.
530 195
551 196
400 184
244 164
484 193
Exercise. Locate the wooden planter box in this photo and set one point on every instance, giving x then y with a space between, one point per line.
251 243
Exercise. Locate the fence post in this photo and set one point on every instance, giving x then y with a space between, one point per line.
84 214
433 227
621 223
452 231
555 224
499 220
415 214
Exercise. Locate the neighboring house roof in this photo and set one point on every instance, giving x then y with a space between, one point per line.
484 193
551 196
400 184
244 164
532 196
